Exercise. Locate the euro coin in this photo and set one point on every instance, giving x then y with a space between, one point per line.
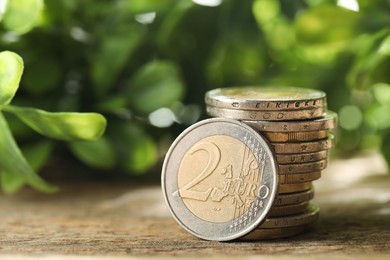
293 198
294 187
302 147
308 217
288 210
302 168
298 177
329 121
286 137
219 179
275 233
266 98
281 115
297 158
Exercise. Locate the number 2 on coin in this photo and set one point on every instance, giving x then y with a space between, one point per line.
212 163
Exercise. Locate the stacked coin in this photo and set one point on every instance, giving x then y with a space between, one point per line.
296 123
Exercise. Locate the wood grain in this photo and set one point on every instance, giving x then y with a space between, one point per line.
116 220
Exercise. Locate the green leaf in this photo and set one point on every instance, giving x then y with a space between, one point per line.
384 48
144 6
143 155
157 84
12 161
63 126
37 154
115 50
10 183
137 150
98 153
37 81
112 104
322 32
22 15
238 63
11 70
265 11
168 31
371 62
327 25
19 130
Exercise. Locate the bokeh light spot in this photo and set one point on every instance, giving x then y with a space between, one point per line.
162 117
349 4
350 117
210 3
382 93
146 18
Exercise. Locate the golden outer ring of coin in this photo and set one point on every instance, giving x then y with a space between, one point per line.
274 233
265 98
329 121
281 115
284 137
294 187
302 168
310 216
298 158
299 177
288 210
293 198
302 147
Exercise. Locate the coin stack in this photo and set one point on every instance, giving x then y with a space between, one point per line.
296 123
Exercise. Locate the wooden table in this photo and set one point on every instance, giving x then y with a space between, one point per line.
112 220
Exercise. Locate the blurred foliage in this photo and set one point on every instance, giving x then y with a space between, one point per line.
15 169
18 168
146 64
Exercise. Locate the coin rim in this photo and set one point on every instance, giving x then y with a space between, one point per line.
252 115
294 187
313 146
311 176
303 168
215 97
311 215
218 226
288 210
293 198
285 159
304 136
329 121
275 233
